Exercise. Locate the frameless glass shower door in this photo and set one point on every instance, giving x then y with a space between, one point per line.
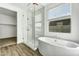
30 40
39 24
35 21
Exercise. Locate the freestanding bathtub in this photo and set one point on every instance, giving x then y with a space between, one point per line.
57 47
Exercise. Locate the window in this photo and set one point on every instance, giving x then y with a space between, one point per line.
59 20
60 26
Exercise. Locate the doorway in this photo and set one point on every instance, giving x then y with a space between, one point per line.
8 27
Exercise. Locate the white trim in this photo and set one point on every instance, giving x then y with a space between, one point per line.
60 18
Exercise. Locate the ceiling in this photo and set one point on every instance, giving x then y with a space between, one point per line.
25 5
20 5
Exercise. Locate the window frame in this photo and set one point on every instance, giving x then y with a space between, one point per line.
58 18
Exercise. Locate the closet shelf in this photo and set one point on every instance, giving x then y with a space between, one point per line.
9 24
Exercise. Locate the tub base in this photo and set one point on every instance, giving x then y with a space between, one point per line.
50 50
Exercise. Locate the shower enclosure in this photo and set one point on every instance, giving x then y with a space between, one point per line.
35 24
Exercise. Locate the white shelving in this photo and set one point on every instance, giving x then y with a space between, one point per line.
9 24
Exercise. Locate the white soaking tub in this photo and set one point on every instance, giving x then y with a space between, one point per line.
57 47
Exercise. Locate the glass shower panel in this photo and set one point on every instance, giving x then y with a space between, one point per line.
39 17
34 25
30 40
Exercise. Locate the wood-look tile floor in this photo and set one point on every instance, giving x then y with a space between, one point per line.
21 49
7 41
18 50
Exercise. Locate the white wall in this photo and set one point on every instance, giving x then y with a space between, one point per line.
20 12
74 35
8 26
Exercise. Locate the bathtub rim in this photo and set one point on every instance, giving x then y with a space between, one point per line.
57 44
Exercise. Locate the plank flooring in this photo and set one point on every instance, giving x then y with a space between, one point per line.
18 50
7 41
10 48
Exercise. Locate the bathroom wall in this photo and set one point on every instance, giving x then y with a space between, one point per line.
8 26
73 36
20 13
